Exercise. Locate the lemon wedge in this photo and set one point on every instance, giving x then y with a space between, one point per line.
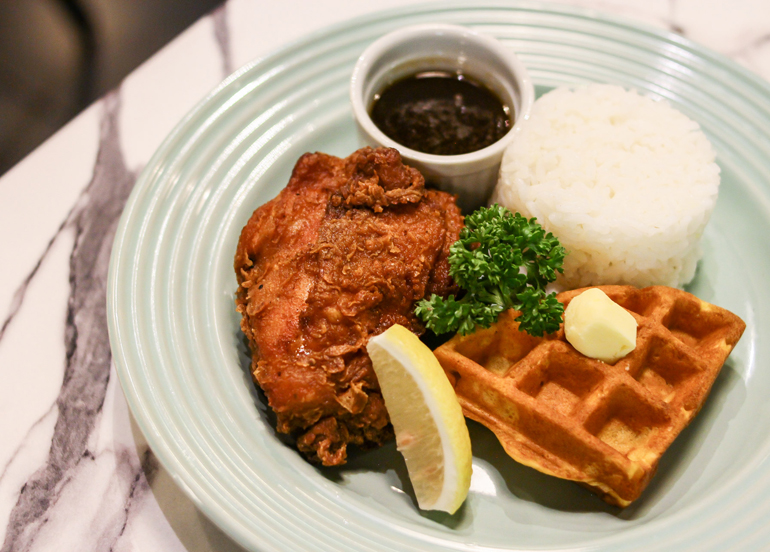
430 428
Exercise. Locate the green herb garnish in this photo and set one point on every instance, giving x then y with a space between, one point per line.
502 261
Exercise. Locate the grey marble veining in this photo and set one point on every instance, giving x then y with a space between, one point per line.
52 493
88 357
219 18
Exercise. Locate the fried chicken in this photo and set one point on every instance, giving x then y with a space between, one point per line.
341 254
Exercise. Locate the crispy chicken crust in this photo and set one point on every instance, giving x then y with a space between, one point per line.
341 254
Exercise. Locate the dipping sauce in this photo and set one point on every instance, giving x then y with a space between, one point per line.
441 113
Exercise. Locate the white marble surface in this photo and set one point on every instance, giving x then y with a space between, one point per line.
75 473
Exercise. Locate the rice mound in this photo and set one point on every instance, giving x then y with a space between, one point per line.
625 182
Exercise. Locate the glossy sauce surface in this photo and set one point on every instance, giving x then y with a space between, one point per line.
441 113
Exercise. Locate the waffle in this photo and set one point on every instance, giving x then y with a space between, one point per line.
604 426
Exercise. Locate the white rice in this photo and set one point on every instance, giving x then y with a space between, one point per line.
626 183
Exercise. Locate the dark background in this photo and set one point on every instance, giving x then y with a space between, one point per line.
58 56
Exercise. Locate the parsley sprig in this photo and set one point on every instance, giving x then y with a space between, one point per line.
502 261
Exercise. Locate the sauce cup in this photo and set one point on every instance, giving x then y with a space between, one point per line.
446 48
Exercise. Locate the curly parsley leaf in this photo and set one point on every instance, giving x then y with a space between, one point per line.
502 261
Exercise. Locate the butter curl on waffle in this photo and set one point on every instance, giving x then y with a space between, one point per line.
604 426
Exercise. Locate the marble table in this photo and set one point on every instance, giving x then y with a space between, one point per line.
75 472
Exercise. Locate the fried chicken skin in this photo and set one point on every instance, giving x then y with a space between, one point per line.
341 254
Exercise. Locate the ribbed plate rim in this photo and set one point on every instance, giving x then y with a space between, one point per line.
149 177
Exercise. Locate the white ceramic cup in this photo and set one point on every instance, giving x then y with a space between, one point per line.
450 48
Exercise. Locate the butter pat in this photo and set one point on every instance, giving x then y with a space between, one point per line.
598 327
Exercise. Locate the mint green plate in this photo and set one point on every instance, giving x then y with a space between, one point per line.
184 368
